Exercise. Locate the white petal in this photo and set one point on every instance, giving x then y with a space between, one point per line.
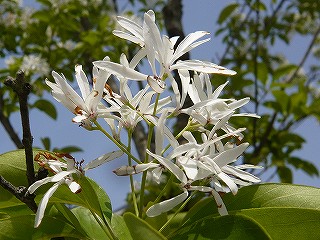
120 70
229 156
43 204
166 205
103 159
187 43
73 186
82 81
220 204
201 66
156 84
129 170
171 167
38 183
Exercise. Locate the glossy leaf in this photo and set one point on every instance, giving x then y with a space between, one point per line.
259 196
21 227
226 227
139 229
89 223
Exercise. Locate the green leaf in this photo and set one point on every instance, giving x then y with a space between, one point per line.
13 169
283 71
46 107
226 12
260 196
21 227
68 149
287 223
281 211
89 223
46 143
227 227
285 174
120 228
92 196
140 229
306 166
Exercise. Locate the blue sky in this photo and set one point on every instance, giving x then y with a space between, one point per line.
198 15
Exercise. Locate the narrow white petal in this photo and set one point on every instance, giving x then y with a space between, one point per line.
166 205
120 70
129 170
229 156
82 81
200 188
38 183
220 204
156 84
43 204
201 66
230 183
170 166
185 45
103 159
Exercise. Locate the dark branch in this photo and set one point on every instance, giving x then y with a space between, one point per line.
22 90
20 193
8 127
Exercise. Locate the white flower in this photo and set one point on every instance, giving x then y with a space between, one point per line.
88 107
161 49
208 108
63 169
35 64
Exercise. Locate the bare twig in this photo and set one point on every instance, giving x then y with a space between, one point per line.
23 89
8 127
20 193
305 56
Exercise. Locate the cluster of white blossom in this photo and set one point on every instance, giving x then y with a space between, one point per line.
205 165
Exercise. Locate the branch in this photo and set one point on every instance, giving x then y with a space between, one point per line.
23 89
20 193
8 127
304 58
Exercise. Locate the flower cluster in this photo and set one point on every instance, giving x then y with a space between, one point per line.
206 164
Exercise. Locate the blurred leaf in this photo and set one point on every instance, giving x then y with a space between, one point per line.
46 107
68 149
306 166
226 12
46 143
285 174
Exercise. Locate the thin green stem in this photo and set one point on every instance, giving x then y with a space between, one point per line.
134 199
179 210
146 160
169 182
186 128
119 145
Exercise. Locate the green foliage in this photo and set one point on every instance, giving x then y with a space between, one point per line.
281 93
